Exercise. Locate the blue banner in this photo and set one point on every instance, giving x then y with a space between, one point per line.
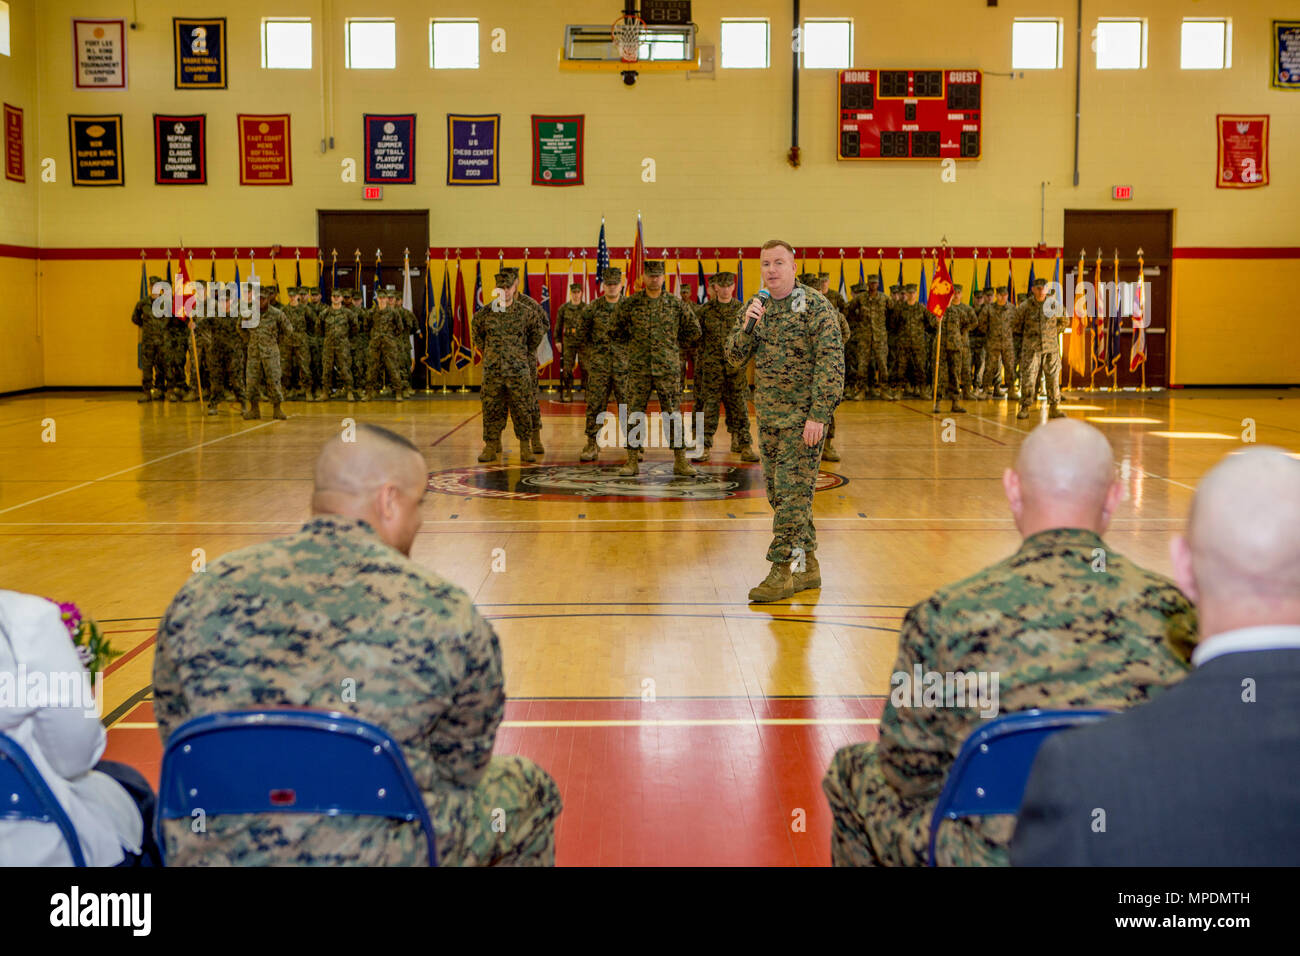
200 48
1286 55
390 148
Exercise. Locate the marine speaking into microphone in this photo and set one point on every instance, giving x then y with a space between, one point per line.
793 335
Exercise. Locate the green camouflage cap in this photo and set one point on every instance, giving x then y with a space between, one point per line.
958 287
1040 283
154 280
390 290
858 287
823 275
654 267
895 288
723 278
612 274
334 292
506 277
269 290
873 279
988 289
575 286
911 287
1001 290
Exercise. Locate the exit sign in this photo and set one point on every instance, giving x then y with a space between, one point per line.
372 192
1121 192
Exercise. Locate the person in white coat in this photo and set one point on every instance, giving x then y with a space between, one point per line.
47 708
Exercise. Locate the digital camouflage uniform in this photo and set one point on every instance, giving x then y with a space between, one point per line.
225 358
176 345
1056 632
1040 349
296 357
853 373
387 332
153 330
872 347
912 359
508 339
957 318
604 359
979 342
996 323
359 344
535 399
332 618
262 361
799 373
337 325
567 321
716 381
315 340
655 330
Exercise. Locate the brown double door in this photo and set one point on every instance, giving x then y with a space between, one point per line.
1150 230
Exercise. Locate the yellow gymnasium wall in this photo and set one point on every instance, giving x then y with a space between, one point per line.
20 342
719 147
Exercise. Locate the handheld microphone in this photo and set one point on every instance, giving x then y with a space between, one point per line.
763 296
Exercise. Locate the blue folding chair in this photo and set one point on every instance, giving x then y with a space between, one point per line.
24 795
992 768
287 761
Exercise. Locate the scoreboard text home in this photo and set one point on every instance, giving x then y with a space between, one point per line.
910 114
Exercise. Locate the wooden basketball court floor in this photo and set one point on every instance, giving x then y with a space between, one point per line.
682 725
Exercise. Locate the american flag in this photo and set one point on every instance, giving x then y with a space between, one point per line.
602 254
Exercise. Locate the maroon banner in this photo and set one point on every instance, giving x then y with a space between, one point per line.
14 144
264 154
179 150
1243 152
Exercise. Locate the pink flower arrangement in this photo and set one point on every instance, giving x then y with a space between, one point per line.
93 649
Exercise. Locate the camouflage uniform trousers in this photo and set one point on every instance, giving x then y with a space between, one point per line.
203 340
263 363
336 354
360 346
385 355
176 344
854 369
153 363
950 369
668 389
895 356
523 836
790 470
569 356
605 380
999 354
911 362
297 360
535 402
967 362
506 390
871 358
866 807
978 357
1049 364
315 344
225 366
723 386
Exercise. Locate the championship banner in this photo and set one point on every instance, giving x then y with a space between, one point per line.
99 54
264 154
180 150
1243 152
200 53
473 154
557 150
14 154
96 144
390 148
1286 55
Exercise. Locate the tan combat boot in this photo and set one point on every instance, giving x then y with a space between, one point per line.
681 466
1054 411
778 585
829 453
491 450
956 407
251 411
705 452
589 451
810 578
538 448
632 465
526 453
748 454
278 412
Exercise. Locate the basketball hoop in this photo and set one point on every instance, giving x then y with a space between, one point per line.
626 35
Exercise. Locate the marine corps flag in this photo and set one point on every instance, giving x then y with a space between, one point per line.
636 266
940 292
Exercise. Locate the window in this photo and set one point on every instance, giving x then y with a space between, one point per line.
1036 45
662 45
827 44
286 44
1207 44
744 45
372 44
4 28
453 44
1121 44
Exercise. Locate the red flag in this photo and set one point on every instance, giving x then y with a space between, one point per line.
1079 322
636 267
940 292
460 328
1138 354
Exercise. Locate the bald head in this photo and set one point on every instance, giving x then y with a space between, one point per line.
1241 554
1064 477
373 475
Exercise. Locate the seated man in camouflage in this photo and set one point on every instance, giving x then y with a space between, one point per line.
337 617
1064 623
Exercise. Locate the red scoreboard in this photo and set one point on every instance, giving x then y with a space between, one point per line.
910 114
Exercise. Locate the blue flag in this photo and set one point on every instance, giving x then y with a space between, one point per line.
1030 288
431 359
988 274
925 296
478 286
602 254
297 272
862 273
900 273
144 281
740 276
446 351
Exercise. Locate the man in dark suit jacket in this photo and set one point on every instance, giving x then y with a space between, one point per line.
1205 774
